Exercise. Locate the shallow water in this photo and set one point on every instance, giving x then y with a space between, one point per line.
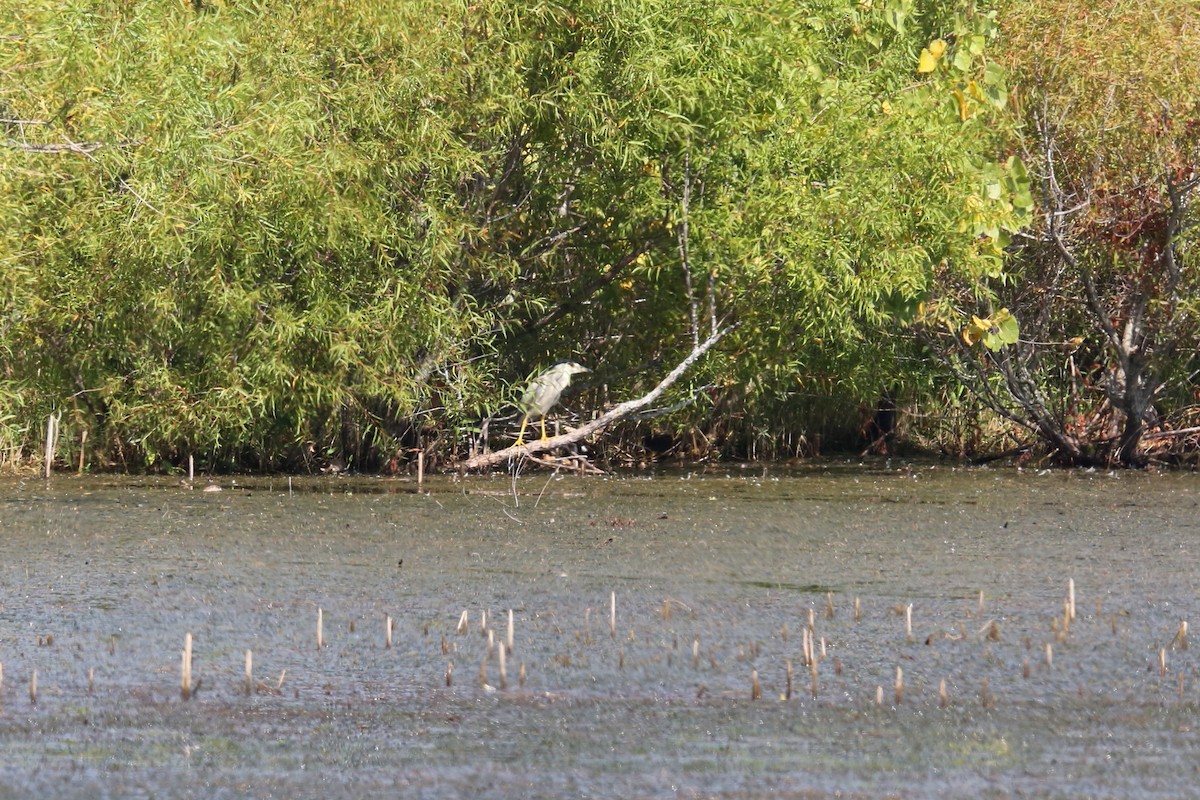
714 577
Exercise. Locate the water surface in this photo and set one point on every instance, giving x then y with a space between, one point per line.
714 576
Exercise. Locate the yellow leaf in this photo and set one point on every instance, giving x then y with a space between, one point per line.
886 107
937 47
964 112
927 62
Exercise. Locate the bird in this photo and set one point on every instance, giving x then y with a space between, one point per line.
542 394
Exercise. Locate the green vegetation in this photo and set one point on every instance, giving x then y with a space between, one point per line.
1105 281
268 236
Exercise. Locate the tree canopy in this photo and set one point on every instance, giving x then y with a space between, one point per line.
252 232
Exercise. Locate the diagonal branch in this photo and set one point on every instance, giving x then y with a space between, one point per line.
614 414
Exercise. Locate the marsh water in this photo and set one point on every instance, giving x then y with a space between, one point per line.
713 579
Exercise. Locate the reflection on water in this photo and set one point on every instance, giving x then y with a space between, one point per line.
715 576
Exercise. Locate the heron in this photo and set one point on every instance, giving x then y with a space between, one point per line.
543 392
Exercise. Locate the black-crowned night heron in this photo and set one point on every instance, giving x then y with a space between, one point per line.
543 393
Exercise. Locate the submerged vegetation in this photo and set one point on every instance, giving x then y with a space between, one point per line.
275 237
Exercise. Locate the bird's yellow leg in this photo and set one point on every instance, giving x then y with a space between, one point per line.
544 436
521 436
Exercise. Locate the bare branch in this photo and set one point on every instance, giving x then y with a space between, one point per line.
615 414
83 148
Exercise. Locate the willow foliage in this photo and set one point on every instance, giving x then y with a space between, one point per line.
231 229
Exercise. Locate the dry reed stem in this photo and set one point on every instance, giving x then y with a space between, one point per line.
503 669
1180 641
612 615
185 676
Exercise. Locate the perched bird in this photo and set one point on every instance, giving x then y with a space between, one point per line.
543 392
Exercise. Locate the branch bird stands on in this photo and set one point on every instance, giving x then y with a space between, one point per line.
542 395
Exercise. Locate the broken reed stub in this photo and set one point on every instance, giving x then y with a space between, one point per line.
612 615
503 668
185 668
